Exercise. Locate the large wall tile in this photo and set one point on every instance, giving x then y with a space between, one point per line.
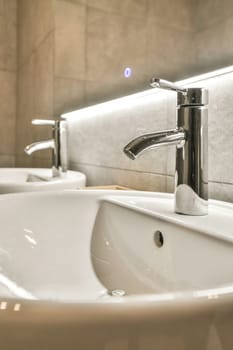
70 40
172 13
35 22
112 45
97 176
211 12
82 2
35 97
221 191
168 52
129 8
8 47
7 112
69 94
220 128
99 138
7 161
218 53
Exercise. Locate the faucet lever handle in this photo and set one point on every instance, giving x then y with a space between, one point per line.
43 122
167 85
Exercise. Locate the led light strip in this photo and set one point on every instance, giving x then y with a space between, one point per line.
124 101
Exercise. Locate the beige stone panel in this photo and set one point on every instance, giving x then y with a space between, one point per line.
213 48
33 161
42 161
43 79
7 112
172 13
169 53
128 8
23 161
211 12
170 184
113 176
82 2
105 90
43 91
70 40
1 7
8 23
115 42
7 161
36 20
69 95
35 96
25 92
25 97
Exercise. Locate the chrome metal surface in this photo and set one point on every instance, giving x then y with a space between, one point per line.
167 85
57 144
191 140
156 139
43 122
39 146
194 96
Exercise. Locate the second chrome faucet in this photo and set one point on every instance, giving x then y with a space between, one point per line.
57 144
191 139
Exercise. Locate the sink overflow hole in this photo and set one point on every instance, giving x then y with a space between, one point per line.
158 238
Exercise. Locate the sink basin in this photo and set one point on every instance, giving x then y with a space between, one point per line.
35 179
140 246
114 270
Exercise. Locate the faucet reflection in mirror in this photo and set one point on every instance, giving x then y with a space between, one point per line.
191 140
57 144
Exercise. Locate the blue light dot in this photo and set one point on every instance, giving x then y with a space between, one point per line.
127 72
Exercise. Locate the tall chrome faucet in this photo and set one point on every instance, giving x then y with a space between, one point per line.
191 140
57 144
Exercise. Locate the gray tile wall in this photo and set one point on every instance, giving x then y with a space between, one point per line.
98 135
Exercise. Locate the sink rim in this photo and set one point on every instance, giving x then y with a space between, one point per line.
69 175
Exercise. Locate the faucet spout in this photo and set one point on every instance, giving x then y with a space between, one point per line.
39 146
57 144
148 141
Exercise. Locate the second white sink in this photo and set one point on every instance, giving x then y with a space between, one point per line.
38 179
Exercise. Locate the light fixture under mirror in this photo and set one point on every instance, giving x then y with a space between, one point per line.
132 99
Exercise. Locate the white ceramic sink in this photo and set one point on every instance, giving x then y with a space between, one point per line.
140 246
36 179
65 257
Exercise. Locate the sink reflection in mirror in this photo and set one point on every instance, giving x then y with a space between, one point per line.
38 179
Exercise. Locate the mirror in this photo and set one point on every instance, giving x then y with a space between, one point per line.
68 54
118 45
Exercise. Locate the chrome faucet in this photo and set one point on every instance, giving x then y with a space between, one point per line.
191 140
57 144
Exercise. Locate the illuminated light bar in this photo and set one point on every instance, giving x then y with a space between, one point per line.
130 99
